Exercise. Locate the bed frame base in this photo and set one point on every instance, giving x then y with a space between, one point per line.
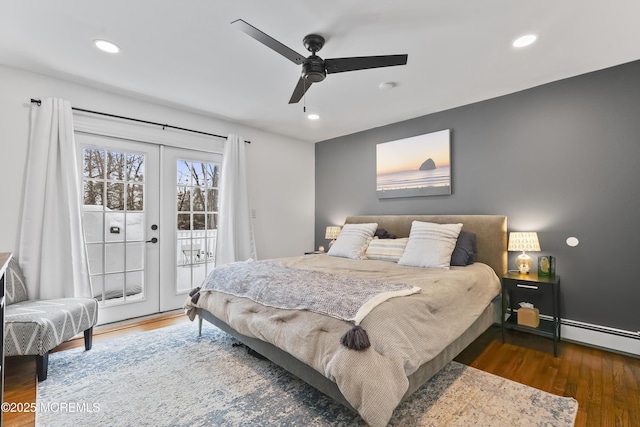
330 388
280 358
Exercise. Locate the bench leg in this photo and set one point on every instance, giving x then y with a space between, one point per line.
42 364
88 338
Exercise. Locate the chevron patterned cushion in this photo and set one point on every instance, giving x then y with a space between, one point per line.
15 285
36 327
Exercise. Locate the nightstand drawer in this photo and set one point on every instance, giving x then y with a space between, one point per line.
538 294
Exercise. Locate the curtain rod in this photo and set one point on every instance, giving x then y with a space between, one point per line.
38 102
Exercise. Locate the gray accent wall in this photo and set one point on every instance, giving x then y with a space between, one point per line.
562 159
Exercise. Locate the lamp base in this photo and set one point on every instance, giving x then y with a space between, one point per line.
524 261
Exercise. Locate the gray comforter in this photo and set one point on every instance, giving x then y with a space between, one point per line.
405 332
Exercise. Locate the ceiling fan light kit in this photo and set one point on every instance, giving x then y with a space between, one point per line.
314 68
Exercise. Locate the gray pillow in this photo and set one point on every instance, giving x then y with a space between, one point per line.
465 251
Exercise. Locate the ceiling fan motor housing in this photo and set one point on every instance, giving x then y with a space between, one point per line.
313 69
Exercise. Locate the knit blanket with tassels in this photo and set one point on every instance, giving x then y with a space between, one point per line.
274 285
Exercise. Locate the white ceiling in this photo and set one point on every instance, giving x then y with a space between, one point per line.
187 55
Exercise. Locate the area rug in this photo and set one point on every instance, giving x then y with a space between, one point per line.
173 377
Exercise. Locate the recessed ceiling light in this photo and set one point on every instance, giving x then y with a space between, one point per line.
313 117
387 85
106 46
525 40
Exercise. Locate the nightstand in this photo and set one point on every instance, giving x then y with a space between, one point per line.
543 292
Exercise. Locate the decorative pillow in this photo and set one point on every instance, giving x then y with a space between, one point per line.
465 251
386 249
381 233
430 245
15 285
353 240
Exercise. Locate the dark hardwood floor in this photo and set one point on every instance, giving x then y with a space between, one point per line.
606 385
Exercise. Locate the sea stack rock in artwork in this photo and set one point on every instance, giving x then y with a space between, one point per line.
428 165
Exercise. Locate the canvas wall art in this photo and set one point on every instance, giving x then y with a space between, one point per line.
415 166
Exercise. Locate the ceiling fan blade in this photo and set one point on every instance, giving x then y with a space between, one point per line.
268 41
301 88
340 65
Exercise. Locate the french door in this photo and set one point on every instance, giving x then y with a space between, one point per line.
121 189
189 214
149 239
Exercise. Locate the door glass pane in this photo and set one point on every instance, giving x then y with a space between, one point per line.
135 224
196 213
96 259
113 288
115 166
114 255
114 226
198 174
93 193
135 256
114 223
213 173
92 220
135 197
134 283
212 200
198 200
115 196
184 199
135 167
93 163
184 222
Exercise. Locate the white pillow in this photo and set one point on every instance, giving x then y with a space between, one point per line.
430 245
353 240
386 249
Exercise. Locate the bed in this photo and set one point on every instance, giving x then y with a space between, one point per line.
412 337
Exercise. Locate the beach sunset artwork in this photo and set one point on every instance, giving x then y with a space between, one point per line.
416 166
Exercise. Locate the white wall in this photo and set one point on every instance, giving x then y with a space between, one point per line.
281 169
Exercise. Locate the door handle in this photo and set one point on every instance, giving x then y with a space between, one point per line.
153 240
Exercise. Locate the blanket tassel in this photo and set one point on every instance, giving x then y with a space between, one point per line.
356 338
195 295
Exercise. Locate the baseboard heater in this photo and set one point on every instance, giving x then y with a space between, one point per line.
596 328
603 329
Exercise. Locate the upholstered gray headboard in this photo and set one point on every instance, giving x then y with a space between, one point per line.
490 230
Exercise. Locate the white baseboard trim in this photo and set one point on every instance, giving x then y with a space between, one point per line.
616 340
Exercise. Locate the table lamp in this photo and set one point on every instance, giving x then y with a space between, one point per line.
523 241
331 233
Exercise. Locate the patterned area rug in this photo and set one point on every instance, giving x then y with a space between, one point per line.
173 377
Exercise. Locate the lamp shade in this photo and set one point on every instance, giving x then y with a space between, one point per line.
523 241
332 232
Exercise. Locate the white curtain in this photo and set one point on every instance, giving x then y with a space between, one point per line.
235 241
52 249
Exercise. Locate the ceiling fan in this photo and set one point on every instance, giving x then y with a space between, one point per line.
314 68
